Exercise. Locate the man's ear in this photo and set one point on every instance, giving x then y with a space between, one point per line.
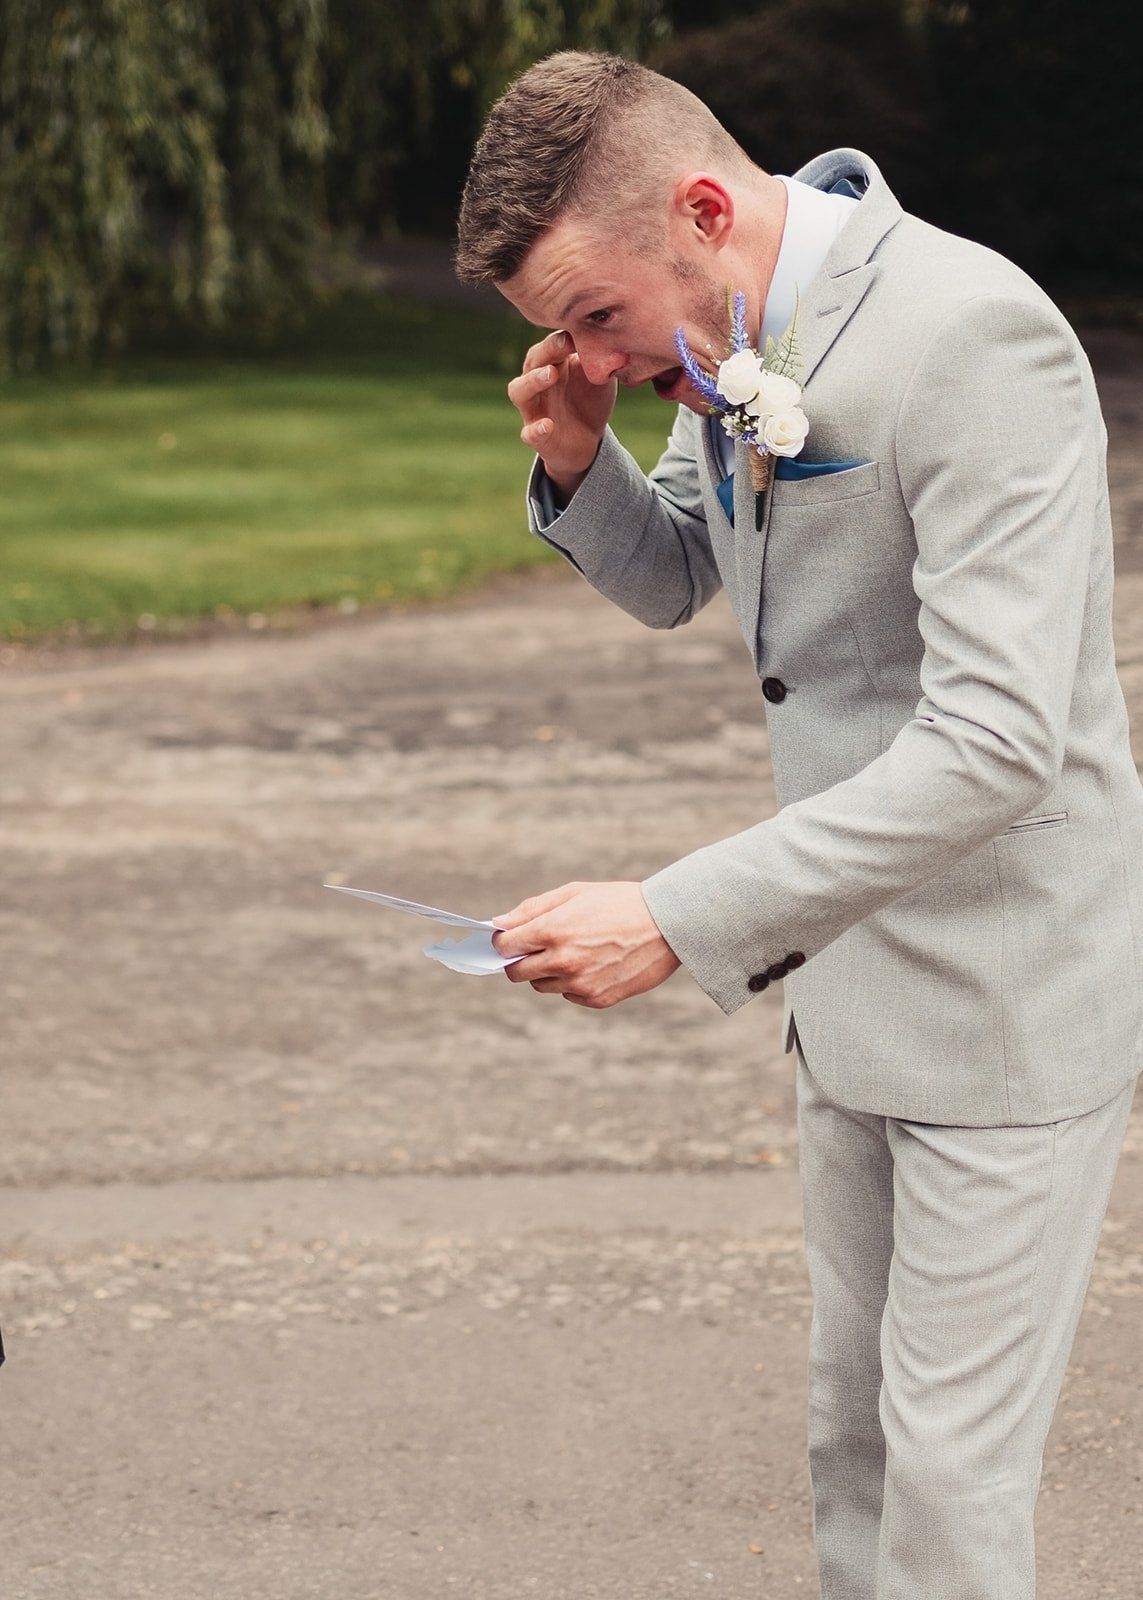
706 203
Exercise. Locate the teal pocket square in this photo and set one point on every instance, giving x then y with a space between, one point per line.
791 467
784 467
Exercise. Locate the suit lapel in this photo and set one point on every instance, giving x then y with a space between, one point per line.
827 305
823 314
713 458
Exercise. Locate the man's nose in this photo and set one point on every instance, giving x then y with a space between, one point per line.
598 366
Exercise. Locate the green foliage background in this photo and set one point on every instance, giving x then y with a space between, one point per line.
201 163
157 163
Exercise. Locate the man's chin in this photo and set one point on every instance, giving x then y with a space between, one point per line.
693 401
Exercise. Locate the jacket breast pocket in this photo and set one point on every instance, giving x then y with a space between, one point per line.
1037 824
790 494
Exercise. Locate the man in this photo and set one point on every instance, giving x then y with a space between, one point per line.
952 887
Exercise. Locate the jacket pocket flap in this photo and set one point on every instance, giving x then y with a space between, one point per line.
790 493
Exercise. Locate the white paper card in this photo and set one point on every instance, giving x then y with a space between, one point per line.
475 955
412 906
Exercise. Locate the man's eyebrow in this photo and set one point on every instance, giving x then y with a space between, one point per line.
588 294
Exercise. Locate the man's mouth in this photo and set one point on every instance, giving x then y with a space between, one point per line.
669 383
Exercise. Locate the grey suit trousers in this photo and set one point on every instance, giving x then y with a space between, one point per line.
948 1266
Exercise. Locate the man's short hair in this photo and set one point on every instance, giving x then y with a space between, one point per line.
593 136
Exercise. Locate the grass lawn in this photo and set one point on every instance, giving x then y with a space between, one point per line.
371 455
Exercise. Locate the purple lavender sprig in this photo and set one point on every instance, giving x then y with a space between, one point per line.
702 381
738 322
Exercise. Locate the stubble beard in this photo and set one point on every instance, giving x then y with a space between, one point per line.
708 314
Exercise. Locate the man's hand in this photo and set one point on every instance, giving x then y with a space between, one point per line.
594 943
565 414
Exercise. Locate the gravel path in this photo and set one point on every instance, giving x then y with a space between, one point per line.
330 1273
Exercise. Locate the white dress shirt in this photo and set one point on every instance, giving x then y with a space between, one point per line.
813 221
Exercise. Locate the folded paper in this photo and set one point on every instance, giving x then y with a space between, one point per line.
475 954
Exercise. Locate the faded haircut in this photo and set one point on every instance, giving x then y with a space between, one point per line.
592 137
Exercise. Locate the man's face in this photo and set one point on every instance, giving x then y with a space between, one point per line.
622 309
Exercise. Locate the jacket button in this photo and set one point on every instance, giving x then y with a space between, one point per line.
778 970
757 982
774 689
795 959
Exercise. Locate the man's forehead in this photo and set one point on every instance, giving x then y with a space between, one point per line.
564 267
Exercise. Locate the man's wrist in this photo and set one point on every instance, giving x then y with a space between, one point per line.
564 486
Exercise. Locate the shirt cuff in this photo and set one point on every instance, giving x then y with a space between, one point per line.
544 500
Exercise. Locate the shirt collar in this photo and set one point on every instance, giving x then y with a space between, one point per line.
813 221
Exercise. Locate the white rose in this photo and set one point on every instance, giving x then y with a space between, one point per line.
740 376
785 432
775 393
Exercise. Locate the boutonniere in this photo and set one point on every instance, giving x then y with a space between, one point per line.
756 395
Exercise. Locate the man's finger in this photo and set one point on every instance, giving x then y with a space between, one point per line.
526 939
537 964
529 385
553 347
553 985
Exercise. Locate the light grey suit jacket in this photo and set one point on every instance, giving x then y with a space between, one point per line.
957 856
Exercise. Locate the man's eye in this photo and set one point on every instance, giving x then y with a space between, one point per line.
592 316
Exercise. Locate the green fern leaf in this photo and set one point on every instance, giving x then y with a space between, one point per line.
786 353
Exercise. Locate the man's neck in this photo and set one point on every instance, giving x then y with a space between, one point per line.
765 223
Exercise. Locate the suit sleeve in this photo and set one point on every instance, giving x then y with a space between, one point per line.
639 538
1000 456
